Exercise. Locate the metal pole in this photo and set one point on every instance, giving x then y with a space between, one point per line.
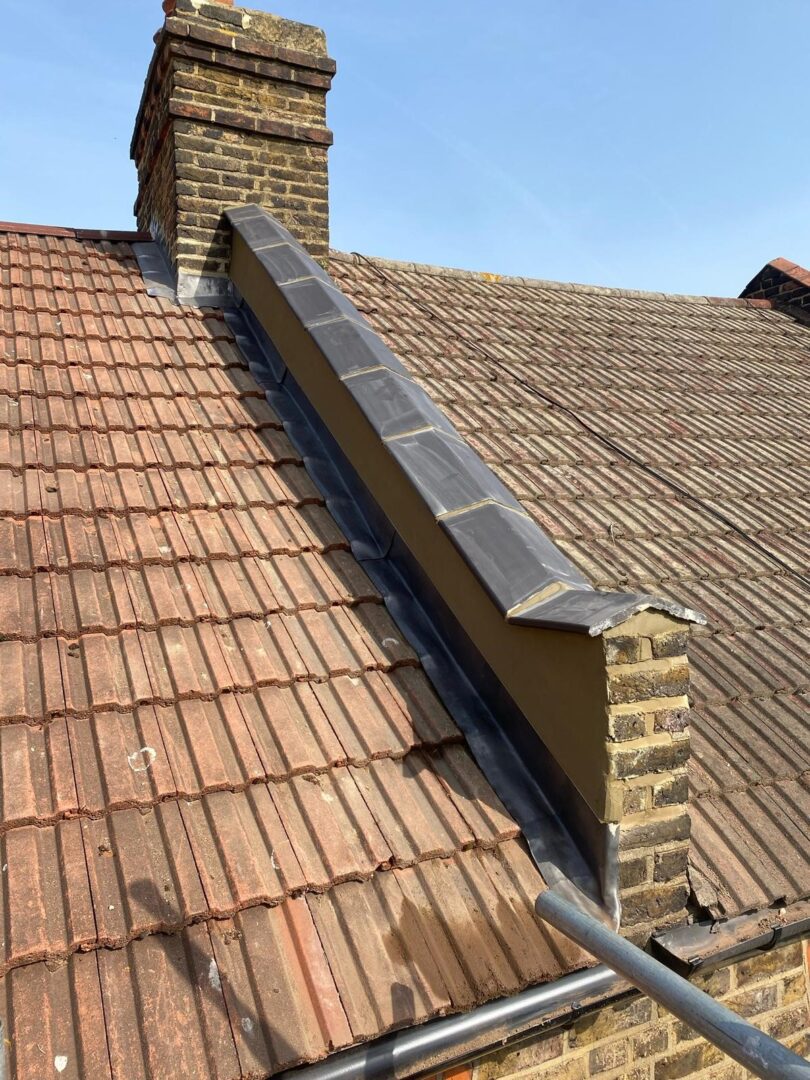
748 1045
428 1047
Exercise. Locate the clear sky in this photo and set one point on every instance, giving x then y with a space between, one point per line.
656 144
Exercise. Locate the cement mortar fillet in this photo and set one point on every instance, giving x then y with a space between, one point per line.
425 483
262 26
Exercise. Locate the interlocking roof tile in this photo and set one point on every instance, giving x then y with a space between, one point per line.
238 830
553 385
276 985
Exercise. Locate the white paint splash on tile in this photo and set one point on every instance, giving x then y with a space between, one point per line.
141 760
213 975
247 1025
60 1062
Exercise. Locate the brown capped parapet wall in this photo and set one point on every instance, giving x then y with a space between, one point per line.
591 671
233 110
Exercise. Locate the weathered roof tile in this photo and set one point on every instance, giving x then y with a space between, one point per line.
215 743
554 386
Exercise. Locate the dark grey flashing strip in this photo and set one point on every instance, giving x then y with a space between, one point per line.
190 290
156 271
527 576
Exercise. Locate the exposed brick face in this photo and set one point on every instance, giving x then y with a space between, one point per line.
783 284
156 208
234 111
643 748
648 748
635 1039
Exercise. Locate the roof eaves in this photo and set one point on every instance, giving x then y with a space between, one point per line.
714 943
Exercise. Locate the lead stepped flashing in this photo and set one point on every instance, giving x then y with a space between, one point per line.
531 581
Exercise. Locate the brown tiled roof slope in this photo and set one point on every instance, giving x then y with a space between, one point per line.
237 827
714 395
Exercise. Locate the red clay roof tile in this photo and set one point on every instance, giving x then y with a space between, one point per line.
217 751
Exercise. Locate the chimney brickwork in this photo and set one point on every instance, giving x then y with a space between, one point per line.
233 112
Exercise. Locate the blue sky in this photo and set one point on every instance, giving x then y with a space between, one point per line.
633 143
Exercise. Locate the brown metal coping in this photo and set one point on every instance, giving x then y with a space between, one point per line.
114 236
552 673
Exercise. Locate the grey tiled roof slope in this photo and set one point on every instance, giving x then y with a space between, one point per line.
712 394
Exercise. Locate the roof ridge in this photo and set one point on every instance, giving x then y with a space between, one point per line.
113 235
356 258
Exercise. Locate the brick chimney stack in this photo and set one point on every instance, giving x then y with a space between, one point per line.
170 5
233 112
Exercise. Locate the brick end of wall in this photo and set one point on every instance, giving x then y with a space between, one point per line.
647 750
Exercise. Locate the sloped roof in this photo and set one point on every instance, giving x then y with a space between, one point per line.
237 828
662 443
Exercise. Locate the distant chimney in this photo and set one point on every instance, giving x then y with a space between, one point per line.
233 112
782 284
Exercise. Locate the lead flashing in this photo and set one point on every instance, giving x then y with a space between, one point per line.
707 945
284 262
447 471
353 347
190 290
506 550
510 558
394 405
155 270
